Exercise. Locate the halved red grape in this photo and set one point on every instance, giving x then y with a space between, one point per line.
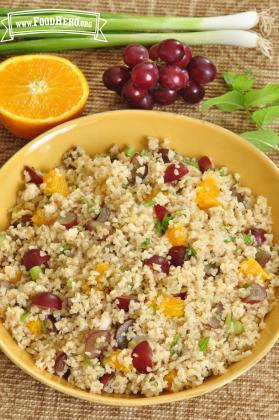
146 102
165 155
175 171
132 93
170 50
142 356
177 255
34 175
91 346
173 77
257 294
47 300
145 75
153 52
68 221
192 93
214 322
262 257
186 58
182 295
104 214
134 54
204 163
157 260
59 363
34 257
115 78
106 378
165 96
124 302
258 233
25 220
201 70
121 334
160 211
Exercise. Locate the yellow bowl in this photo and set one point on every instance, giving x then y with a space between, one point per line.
191 137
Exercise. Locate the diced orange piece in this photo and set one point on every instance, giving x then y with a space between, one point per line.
172 306
35 327
16 279
251 267
85 287
114 362
207 193
169 377
177 235
153 194
101 268
39 218
55 183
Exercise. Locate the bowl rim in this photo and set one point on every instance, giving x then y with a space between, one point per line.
131 400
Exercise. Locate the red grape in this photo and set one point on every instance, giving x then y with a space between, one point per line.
142 357
175 171
145 103
201 70
165 96
106 378
68 221
157 260
120 334
34 258
34 175
145 75
257 294
153 52
177 255
258 233
134 54
262 257
192 93
173 77
182 295
132 93
25 220
91 346
170 50
185 60
59 362
47 300
204 163
124 302
165 155
160 211
115 78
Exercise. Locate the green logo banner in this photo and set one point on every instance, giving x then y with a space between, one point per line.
52 21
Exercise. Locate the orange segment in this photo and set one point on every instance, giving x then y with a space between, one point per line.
55 183
39 91
207 193
177 235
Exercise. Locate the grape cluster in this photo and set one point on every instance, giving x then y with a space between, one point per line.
161 75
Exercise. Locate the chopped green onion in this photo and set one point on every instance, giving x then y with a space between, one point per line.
65 248
123 268
248 239
44 327
222 172
230 239
35 272
232 325
246 286
154 307
238 327
228 322
125 186
130 151
144 152
88 361
191 162
149 203
162 225
25 316
84 200
191 252
2 238
145 243
71 282
203 344
173 344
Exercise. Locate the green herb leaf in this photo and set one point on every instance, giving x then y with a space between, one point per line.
229 102
191 252
237 327
130 151
266 115
203 344
241 82
248 239
149 203
145 243
162 225
173 344
262 97
265 140
70 283
144 152
222 172
25 316
65 248
191 162
88 361
230 239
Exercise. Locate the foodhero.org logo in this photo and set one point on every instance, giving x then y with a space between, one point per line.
52 21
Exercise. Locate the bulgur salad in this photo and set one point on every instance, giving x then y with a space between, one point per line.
136 272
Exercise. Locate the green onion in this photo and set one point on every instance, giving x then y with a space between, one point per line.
162 225
230 239
228 322
232 325
149 203
222 172
238 327
88 361
2 238
84 200
65 248
203 344
191 162
71 282
248 239
191 252
144 152
25 316
145 243
246 286
130 151
44 327
173 344
35 272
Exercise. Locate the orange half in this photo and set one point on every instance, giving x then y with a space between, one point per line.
39 91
